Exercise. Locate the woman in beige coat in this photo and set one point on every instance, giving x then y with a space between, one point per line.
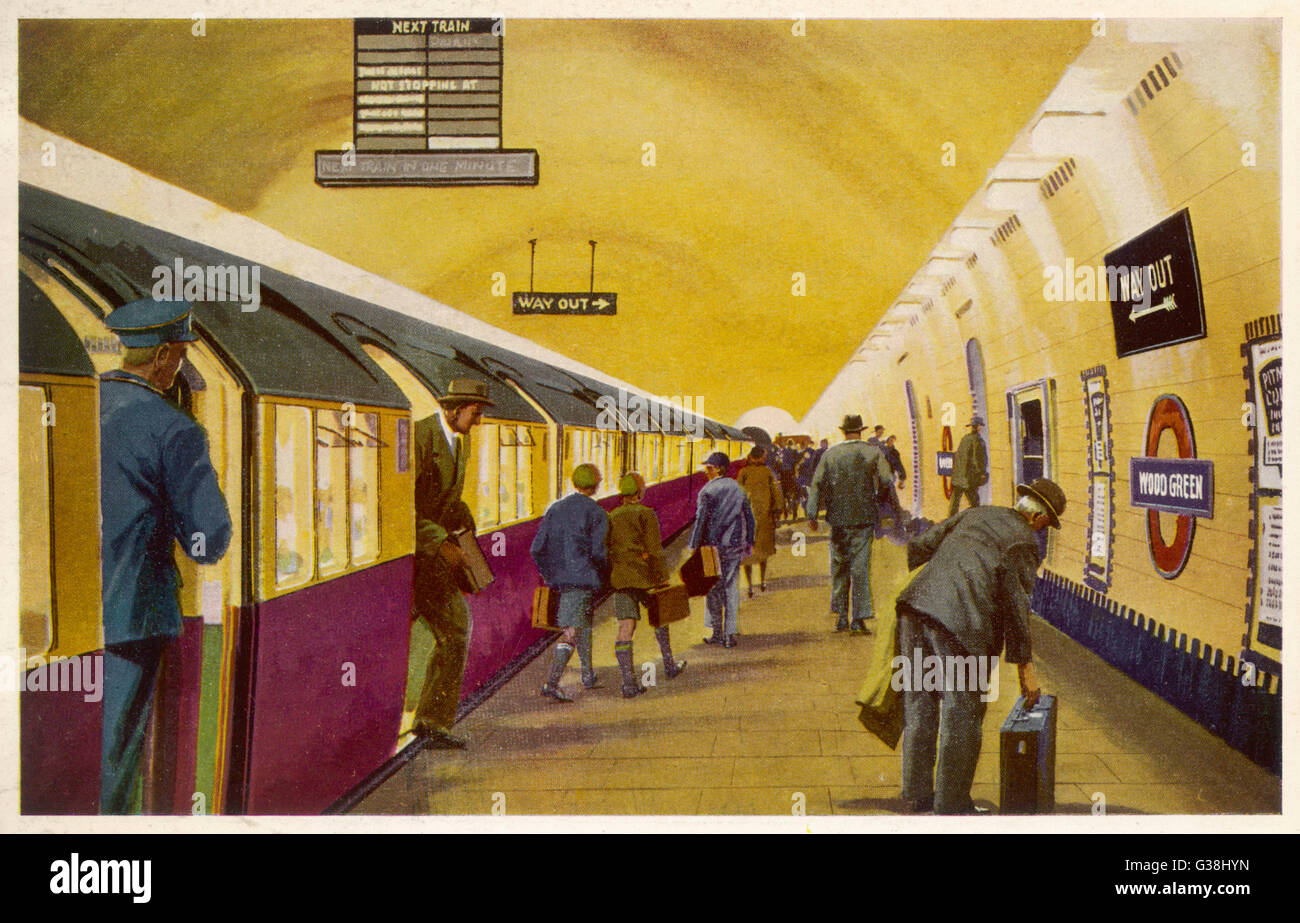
765 498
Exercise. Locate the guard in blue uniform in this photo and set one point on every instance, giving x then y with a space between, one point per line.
157 485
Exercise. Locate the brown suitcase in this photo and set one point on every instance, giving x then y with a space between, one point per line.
546 606
477 573
701 571
668 604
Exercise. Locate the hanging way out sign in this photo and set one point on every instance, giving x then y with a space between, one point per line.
564 302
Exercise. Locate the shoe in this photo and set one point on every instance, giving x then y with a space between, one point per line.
673 671
631 692
919 805
859 627
974 810
592 681
714 639
842 625
762 588
751 592
729 641
556 693
436 739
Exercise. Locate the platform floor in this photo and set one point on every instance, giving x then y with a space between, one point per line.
751 729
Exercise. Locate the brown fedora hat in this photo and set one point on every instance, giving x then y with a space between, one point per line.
852 423
466 391
1049 494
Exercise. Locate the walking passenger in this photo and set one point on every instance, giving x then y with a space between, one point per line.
636 565
970 467
725 520
569 551
847 482
766 502
895 507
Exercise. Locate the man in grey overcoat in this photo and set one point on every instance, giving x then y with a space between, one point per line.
848 481
970 600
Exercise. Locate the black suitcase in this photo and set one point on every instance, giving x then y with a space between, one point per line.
1028 764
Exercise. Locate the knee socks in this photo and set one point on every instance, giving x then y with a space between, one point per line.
563 652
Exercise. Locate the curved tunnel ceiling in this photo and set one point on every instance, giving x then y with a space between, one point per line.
774 154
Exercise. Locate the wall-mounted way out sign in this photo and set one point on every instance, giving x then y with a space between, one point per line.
564 302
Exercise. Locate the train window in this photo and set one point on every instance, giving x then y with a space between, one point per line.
507 450
363 488
35 607
331 492
609 465
293 501
486 506
523 472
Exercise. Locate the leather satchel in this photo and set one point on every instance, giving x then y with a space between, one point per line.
668 604
701 571
546 606
476 574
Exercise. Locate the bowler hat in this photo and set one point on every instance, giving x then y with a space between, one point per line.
852 423
976 420
718 460
466 391
1049 494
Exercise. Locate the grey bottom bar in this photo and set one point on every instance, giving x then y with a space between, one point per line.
427 168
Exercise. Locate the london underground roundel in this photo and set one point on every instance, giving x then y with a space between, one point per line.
1169 558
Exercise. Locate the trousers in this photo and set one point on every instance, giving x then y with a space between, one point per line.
130 674
723 600
445 611
851 570
972 497
947 724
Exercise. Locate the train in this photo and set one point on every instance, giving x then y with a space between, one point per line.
1109 303
290 682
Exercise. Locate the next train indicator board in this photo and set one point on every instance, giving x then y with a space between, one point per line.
427 97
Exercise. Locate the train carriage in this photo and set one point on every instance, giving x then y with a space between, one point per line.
297 656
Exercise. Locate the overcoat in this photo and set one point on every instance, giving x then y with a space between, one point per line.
977 584
766 501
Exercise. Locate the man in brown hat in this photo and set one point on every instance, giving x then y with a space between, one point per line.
441 459
971 601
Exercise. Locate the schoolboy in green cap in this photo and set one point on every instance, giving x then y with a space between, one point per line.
636 565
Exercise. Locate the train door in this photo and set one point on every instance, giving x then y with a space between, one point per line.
209 593
190 717
1031 422
423 404
916 446
979 405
